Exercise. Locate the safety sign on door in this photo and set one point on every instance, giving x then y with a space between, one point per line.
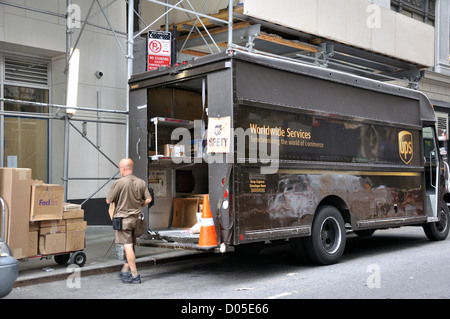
158 49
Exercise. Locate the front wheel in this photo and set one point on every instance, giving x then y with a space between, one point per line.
78 258
438 230
326 244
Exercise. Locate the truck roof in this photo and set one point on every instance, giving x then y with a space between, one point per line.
285 83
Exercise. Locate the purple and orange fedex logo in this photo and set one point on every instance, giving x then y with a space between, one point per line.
50 202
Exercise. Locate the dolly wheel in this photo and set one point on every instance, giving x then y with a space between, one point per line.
62 259
78 258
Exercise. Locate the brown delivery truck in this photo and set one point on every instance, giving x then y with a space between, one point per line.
284 151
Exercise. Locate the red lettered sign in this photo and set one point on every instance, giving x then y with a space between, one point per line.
159 49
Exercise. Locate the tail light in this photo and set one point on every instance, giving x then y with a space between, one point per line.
225 195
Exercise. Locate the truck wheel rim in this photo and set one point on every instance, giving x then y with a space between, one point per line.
330 235
442 224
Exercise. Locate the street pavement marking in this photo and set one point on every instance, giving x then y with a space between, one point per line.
284 294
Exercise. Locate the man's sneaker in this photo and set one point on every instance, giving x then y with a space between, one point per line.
132 280
124 275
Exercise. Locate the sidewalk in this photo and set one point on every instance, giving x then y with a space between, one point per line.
98 259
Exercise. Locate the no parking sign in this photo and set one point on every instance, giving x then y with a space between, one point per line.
158 49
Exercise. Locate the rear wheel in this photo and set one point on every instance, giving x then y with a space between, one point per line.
438 230
327 241
62 259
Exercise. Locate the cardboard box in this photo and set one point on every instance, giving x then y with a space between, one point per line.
73 214
46 202
70 206
15 190
184 212
52 243
51 223
167 149
172 150
52 230
33 238
75 224
34 226
75 240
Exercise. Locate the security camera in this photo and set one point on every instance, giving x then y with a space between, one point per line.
99 74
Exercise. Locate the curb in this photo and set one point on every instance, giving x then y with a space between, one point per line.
107 267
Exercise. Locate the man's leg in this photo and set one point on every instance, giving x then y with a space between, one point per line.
134 278
128 227
131 258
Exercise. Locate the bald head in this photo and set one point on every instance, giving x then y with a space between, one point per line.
126 166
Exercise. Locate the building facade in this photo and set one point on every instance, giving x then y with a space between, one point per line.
36 38
405 42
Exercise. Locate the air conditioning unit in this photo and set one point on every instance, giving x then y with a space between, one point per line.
442 125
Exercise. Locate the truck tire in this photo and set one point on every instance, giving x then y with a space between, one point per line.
326 244
438 230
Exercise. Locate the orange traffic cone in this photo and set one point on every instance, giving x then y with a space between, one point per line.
208 237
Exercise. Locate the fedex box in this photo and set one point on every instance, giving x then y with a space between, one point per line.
46 202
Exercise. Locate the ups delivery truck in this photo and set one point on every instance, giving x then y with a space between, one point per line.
284 151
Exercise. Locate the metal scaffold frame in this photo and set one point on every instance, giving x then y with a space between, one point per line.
67 115
64 112
328 54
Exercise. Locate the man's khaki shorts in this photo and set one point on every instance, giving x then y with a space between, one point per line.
126 235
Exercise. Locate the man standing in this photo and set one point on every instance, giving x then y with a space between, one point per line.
130 194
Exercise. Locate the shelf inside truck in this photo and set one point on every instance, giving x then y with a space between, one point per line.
176 151
172 122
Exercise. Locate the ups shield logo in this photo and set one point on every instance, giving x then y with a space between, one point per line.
405 146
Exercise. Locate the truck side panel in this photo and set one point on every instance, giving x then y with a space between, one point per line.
371 171
343 95
283 205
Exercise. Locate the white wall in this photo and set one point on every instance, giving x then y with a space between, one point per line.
366 24
354 22
45 35
150 11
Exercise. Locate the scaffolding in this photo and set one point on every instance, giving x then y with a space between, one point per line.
64 112
202 34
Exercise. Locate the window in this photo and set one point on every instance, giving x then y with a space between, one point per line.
25 126
420 10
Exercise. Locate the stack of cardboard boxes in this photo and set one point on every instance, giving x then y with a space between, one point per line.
60 235
38 222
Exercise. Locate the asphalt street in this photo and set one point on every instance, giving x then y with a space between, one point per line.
397 263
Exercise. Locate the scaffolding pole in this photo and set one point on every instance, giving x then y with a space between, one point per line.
130 35
130 57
